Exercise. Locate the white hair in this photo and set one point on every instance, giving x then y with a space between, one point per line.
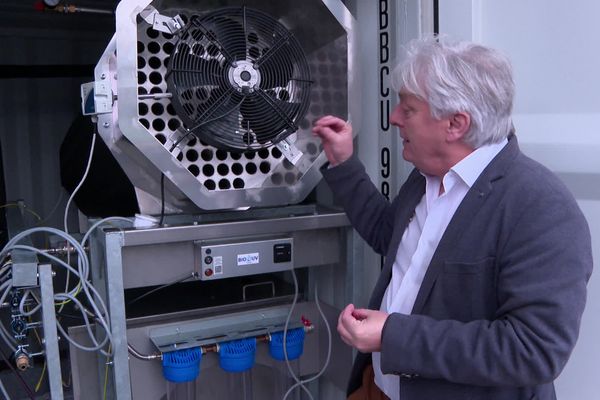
461 77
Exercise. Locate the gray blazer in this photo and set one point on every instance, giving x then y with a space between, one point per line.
498 313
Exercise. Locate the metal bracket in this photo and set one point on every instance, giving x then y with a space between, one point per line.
160 22
222 328
96 98
290 151
25 274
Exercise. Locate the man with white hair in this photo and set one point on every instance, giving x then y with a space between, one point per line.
487 253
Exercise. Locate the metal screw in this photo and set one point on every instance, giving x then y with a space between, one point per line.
106 124
103 76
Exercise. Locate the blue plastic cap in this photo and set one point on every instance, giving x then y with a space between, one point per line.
294 344
237 355
182 365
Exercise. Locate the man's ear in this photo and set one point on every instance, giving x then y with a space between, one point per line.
458 126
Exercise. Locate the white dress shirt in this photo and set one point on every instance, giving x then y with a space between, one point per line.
421 238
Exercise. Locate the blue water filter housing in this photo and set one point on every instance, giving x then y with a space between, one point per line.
237 355
294 344
182 365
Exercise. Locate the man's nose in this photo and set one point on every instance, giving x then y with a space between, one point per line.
396 118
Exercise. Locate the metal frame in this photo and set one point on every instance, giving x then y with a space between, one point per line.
113 248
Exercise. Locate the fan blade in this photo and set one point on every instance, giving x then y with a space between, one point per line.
220 129
277 68
279 54
192 70
227 34
212 108
267 117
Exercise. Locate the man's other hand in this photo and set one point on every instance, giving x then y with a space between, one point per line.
336 135
361 328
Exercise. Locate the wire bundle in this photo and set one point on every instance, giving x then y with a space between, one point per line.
98 312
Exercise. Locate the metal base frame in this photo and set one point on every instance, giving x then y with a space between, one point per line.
128 258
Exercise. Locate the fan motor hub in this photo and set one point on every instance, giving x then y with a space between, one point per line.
243 76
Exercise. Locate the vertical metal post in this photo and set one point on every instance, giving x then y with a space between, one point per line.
116 307
50 335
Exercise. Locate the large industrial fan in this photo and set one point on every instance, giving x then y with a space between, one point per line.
239 79
218 102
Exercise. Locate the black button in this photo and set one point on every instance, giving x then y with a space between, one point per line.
208 260
282 252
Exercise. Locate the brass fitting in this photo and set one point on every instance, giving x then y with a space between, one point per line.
22 361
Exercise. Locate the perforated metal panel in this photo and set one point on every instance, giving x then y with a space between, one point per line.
210 178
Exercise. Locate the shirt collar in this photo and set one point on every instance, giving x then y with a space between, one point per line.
470 167
466 170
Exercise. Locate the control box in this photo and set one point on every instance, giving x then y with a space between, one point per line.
220 260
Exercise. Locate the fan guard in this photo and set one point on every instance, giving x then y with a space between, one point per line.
239 79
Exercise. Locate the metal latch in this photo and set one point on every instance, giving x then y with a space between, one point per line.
160 22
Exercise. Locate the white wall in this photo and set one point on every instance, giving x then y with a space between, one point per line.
555 50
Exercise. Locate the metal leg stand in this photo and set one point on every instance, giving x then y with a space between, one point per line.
116 308
50 335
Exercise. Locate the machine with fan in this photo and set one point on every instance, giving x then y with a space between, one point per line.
220 101
208 107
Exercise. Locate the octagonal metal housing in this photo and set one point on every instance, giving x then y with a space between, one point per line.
143 127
